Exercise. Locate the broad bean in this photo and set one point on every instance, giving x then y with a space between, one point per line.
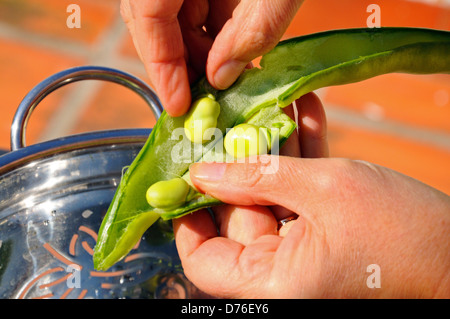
168 194
202 116
246 140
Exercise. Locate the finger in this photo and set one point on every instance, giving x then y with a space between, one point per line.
293 183
158 37
310 138
207 260
220 11
225 268
192 18
312 126
254 29
193 230
220 266
292 146
244 224
127 16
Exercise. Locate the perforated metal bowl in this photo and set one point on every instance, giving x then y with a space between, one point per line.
53 196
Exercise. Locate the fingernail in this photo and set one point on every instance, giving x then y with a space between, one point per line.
228 73
208 172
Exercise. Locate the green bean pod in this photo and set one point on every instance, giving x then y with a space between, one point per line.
293 68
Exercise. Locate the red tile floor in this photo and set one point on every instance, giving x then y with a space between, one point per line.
397 120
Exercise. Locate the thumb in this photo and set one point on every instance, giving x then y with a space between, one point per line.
254 29
267 180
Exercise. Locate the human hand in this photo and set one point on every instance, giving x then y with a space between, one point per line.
177 40
352 214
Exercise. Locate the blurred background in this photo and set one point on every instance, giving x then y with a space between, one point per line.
397 120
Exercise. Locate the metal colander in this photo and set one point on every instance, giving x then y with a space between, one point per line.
53 196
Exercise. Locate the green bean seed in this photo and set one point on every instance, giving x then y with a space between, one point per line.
168 194
202 116
246 140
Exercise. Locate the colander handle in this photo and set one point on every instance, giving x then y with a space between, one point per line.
44 88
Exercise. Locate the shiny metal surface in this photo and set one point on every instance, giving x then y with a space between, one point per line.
53 196
44 88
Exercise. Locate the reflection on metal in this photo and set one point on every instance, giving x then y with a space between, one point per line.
53 196
72 275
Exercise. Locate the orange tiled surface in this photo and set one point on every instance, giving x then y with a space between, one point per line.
399 121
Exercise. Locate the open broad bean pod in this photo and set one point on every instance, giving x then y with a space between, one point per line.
293 68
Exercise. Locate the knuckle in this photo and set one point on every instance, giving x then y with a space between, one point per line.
262 39
354 177
251 175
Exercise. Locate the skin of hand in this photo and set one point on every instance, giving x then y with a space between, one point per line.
177 40
351 214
